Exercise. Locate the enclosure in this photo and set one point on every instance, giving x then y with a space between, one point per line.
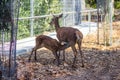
30 18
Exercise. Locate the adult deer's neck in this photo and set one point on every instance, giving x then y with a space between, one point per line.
57 26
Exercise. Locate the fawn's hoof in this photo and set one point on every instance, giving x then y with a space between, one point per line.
74 66
83 66
56 62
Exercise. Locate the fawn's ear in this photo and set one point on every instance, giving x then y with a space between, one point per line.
60 15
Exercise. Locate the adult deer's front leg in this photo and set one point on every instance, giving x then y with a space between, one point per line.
63 55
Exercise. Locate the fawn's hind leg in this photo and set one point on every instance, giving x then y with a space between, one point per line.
35 57
31 55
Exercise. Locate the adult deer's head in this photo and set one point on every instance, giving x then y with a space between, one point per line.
55 19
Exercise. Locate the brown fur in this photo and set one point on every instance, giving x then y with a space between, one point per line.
69 35
49 43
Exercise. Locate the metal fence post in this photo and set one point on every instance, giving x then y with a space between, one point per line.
73 12
64 10
89 19
111 28
98 25
31 15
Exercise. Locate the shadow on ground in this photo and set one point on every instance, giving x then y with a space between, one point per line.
99 65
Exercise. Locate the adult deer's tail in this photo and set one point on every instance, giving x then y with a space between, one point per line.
79 36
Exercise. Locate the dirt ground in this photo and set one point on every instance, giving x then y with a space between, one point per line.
101 62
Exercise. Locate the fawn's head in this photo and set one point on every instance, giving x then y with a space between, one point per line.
55 19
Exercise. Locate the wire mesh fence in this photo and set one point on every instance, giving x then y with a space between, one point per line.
37 22
104 8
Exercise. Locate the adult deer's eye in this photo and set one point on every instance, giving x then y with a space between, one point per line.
52 19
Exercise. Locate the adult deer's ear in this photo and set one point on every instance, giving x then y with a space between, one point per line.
53 15
60 15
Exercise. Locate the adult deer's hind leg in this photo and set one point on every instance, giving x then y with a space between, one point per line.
81 54
75 55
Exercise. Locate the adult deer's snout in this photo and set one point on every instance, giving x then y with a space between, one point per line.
50 23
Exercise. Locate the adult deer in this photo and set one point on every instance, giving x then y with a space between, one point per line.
69 36
49 43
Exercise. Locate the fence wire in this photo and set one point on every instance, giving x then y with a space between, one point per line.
104 8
